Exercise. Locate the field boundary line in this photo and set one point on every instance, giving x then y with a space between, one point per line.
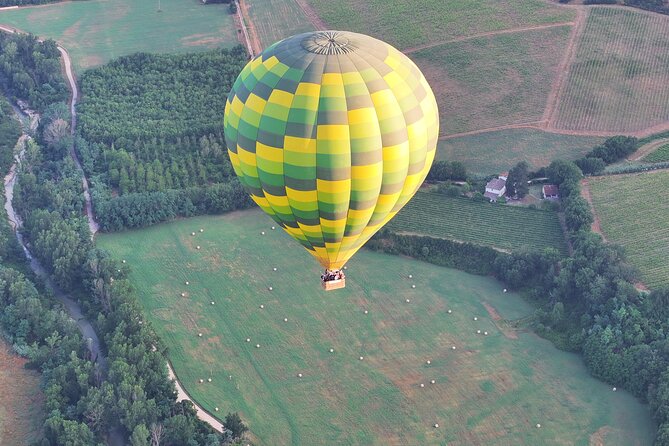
252 40
557 89
485 34
311 15
532 125
647 149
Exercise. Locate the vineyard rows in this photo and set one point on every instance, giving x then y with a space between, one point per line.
619 80
659 155
634 213
497 225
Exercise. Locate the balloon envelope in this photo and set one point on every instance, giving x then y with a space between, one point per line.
331 133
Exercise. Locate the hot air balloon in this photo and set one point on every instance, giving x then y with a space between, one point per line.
331 133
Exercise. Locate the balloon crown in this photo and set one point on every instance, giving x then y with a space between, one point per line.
328 42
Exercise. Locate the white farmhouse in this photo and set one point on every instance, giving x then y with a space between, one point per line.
495 189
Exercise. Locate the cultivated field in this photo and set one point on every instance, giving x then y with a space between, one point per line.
497 225
619 80
658 155
21 401
96 31
495 80
634 213
490 390
495 152
277 19
408 24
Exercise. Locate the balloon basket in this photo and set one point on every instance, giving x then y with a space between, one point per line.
333 284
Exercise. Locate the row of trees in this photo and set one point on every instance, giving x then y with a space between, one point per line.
134 397
613 149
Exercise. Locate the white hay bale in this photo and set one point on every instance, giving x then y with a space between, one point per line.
118 270
140 322
273 228
187 283
432 381
538 425
408 300
270 288
208 380
614 389
346 267
478 331
248 339
362 357
274 269
262 306
197 247
366 312
450 311
299 375
199 335
332 350
504 290
201 230
285 319
453 348
257 345
422 385
183 294
485 333
201 381
410 276
475 318
436 425
123 260
413 286
262 232
192 233
216 409
212 302
428 362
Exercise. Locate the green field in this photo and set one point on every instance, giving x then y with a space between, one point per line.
661 154
22 401
490 390
634 212
96 31
492 81
407 24
277 19
490 224
498 151
619 80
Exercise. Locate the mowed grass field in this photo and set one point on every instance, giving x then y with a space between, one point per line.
277 19
634 212
497 225
619 80
495 80
96 31
489 390
407 24
498 151
21 401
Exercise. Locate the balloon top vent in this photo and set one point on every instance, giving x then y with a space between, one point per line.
328 42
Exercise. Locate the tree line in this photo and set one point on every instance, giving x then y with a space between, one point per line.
84 403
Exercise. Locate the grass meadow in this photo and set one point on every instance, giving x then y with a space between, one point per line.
497 225
491 389
634 213
498 151
277 19
407 24
96 31
619 80
495 80
21 401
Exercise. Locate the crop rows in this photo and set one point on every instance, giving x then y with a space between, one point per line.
500 226
634 213
659 155
277 19
405 24
619 80
494 80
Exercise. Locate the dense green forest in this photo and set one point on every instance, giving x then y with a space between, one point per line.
10 130
150 136
84 402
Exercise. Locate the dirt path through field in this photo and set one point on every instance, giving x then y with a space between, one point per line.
413 49
252 37
648 148
585 193
499 322
312 15
559 83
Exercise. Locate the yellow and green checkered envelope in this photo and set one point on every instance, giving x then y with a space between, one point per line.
331 133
